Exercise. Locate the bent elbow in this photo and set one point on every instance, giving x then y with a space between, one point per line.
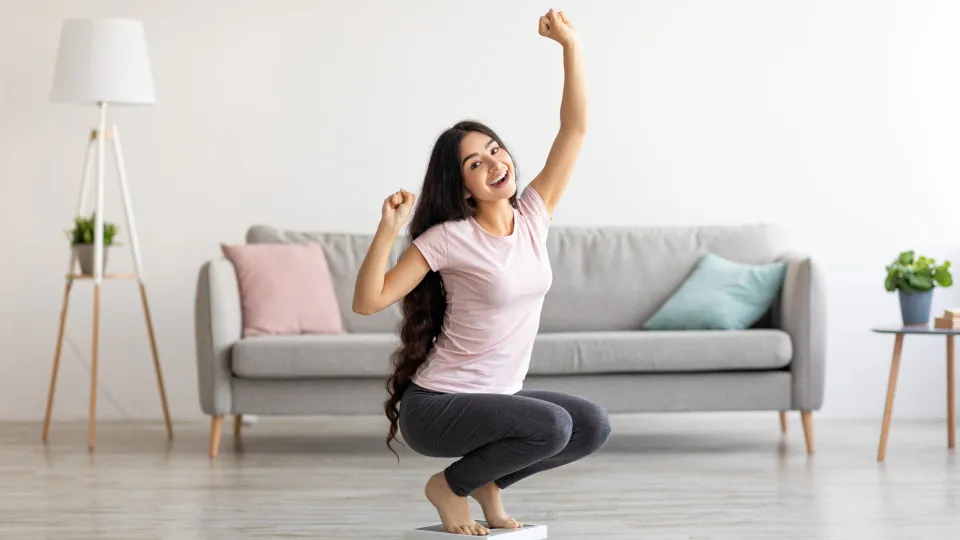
361 308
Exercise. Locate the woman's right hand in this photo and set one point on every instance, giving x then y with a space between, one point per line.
375 290
396 209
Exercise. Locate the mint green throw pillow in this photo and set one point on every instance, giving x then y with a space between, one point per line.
720 295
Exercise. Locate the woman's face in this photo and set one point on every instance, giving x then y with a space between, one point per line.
487 169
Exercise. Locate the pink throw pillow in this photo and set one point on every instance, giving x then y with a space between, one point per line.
285 289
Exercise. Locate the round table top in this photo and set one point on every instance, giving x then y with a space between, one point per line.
922 329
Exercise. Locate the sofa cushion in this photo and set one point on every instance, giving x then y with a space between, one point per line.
720 295
284 289
345 253
368 355
658 352
344 355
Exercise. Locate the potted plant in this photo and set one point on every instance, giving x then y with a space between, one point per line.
82 239
915 278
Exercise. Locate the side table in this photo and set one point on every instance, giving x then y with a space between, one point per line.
900 332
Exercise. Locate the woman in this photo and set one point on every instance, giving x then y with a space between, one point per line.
473 283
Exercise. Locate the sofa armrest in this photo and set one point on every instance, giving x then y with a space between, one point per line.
803 315
218 325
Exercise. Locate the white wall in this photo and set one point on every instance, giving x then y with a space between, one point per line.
836 119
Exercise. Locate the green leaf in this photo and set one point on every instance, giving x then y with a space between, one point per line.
902 284
920 282
83 231
942 276
913 274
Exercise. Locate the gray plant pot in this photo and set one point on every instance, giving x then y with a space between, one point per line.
915 308
84 255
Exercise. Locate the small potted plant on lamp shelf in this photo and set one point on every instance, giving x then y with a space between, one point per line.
915 278
82 240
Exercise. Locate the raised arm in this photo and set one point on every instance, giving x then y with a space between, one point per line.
376 287
556 173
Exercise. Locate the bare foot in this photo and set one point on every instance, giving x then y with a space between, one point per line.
454 510
489 498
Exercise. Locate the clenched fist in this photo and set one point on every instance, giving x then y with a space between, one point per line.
396 208
556 26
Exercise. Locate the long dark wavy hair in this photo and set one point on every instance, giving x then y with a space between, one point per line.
443 197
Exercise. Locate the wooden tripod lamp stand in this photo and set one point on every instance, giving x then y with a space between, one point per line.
100 62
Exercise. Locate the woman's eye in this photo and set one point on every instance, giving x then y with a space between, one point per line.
475 164
495 150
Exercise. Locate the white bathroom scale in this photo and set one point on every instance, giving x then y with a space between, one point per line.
436 532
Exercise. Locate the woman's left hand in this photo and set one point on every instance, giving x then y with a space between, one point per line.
556 26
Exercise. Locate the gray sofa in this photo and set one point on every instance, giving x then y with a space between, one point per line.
607 282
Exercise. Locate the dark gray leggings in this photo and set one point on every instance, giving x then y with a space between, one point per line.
500 437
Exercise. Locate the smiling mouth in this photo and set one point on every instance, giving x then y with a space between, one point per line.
501 180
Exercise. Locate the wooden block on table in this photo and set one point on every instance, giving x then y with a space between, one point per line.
945 323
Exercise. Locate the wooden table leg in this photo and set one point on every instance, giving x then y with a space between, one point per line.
951 427
156 361
56 358
891 390
93 368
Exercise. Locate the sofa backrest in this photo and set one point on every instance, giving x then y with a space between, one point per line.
615 278
604 278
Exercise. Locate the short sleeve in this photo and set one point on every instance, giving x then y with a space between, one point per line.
532 206
433 245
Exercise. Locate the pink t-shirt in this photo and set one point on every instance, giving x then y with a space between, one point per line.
495 287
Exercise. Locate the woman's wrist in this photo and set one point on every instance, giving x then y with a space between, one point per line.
388 228
572 42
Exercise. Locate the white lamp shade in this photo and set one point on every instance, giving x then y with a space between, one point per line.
103 60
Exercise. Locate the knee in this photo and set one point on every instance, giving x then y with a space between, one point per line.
597 430
557 430
600 432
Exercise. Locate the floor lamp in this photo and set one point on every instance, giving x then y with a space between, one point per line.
101 62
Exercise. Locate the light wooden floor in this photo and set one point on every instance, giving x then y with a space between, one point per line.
660 477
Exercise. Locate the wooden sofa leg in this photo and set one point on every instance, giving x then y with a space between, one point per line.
216 426
237 427
807 418
783 421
